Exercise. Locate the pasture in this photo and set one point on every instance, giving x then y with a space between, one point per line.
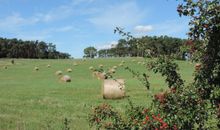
31 99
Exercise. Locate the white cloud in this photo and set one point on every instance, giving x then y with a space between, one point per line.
123 15
175 28
143 29
41 34
61 12
14 21
15 24
110 45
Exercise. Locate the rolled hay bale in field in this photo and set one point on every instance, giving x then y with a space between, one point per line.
115 67
113 89
36 68
101 66
94 74
99 75
111 71
75 64
69 70
48 66
65 78
121 64
59 72
91 68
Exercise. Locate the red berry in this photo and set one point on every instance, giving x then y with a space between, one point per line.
147 118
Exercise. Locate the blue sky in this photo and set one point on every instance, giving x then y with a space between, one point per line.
76 24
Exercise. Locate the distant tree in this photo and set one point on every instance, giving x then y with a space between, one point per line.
103 53
122 48
90 52
155 46
51 51
42 50
14 48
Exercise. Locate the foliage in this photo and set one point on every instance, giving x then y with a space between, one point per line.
103 116
205 25
194 48
204 16
166 67
14 48
181 105
90 52
146 46
143 78
137 117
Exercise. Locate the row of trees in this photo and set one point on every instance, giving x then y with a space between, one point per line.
145 46
14 48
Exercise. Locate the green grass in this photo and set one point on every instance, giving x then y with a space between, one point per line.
38 100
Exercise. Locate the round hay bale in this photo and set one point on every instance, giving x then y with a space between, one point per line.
101 66
113 89
115 67
36 68
65 78
94 74
111 71
75 64
99 75
121 64
91 68
69 70
59 72
48 66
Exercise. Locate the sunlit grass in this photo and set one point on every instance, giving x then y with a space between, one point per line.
32 99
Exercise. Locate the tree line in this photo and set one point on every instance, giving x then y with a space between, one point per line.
141 47
17 48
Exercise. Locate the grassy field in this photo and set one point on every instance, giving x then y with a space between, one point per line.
34 100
